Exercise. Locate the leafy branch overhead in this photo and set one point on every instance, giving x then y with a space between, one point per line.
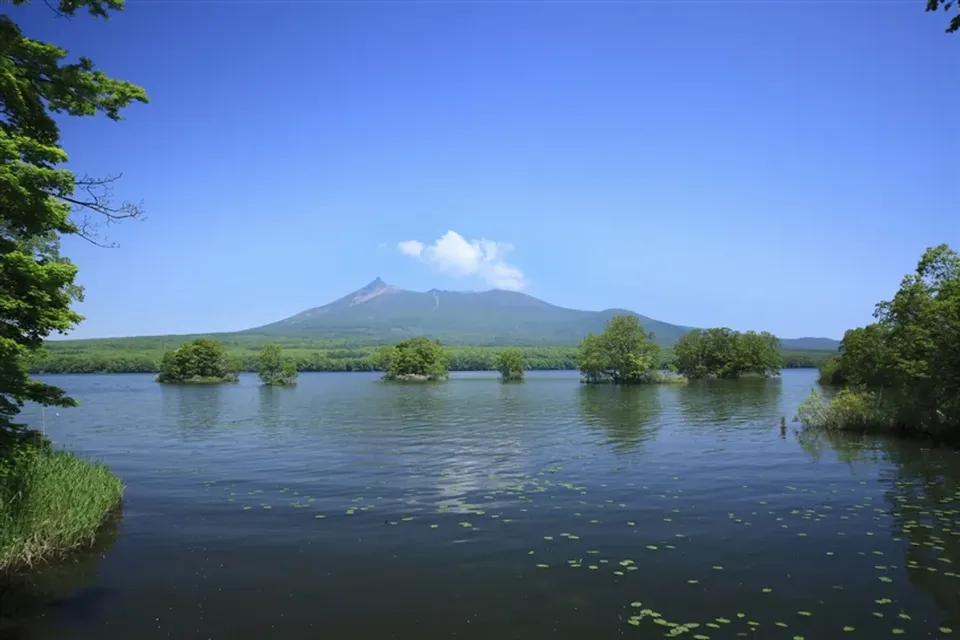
933 5
38 195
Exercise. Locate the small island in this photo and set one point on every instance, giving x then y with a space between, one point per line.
623 354
201 361
414 360
727 354
511 364
273 371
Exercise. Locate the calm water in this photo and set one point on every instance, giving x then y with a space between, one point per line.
350 508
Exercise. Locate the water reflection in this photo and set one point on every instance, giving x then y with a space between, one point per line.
64 587
423 402
922 497
625 413
732 401
193 407
270 399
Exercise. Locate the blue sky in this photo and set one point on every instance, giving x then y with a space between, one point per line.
764 165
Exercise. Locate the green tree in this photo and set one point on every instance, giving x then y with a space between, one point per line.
906 366
201 360
946 5
414 359
38 195
623 354
273 370
725 353
511 364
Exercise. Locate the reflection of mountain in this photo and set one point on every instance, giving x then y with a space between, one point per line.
63 586
624 412
716 401
193 407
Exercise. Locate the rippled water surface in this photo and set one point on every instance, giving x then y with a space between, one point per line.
352 508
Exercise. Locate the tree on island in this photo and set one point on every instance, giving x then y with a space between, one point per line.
623 354
198 361
414 359
511 364
272 370
725 353
903 371
38 195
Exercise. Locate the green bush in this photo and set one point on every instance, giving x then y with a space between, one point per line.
511 365
50 502
415 359
848 410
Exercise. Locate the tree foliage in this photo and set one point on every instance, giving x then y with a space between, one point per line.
511 364
272 370
201 360
947 5
623 354
38 195
414 359
725 353
910 357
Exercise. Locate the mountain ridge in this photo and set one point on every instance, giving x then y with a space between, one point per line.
380 311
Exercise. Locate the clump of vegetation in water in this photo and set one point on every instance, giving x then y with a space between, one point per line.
623 354
272 370
50 501
725 353
414 360
199 361
902 373
511 365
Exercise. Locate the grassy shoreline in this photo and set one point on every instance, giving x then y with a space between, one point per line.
51 503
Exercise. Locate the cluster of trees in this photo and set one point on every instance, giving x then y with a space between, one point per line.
273 371
901 372
725 353
625 354
416 359
199 361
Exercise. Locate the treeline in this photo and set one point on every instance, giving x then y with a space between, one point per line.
78 360
902 372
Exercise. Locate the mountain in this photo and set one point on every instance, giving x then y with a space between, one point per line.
381 312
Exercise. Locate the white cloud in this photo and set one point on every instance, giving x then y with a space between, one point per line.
412 248
453 255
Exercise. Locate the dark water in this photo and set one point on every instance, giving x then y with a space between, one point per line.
350 508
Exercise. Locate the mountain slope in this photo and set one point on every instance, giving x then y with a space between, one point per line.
381 312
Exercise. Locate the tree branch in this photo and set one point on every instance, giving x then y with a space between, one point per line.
96 196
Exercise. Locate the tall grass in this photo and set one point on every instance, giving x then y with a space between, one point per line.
50 502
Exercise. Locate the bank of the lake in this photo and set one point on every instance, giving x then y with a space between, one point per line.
475 509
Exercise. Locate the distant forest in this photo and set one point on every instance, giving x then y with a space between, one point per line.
142 355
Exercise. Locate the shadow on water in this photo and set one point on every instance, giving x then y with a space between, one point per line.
734 401
922 507
62 588
625 413
194 408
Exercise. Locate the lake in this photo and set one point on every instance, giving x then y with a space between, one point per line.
351 508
